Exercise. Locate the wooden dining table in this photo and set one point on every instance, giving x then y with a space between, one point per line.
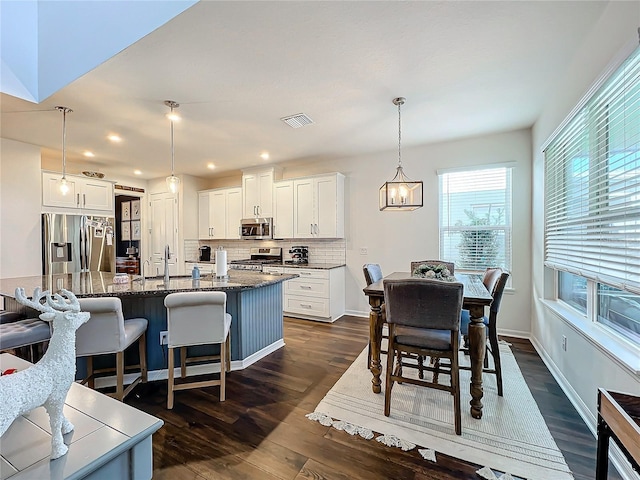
476 297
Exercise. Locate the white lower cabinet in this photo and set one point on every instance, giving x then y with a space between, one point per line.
316 294
205 268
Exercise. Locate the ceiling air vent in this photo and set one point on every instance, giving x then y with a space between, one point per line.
298 120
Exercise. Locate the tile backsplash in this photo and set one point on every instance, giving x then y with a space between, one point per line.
320 251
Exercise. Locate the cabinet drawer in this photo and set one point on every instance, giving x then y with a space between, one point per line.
273 270
318 307
308 272
308 287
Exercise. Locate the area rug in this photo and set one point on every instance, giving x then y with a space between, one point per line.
511 437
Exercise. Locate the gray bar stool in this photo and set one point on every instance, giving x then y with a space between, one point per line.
107 332
197 318
18 332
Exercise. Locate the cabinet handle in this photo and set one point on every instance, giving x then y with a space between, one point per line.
78 201
305 305
311 228
304 273
84 199
305 287
258 209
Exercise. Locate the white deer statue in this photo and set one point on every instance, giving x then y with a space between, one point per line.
47 382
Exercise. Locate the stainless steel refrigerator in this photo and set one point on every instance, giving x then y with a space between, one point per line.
77 243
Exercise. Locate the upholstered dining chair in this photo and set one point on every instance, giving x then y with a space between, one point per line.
107 332
424 320
450 266
495 280
197 318
372 274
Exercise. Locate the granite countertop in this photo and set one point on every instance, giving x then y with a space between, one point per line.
98 284
317 266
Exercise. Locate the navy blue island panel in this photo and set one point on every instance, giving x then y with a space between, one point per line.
254 301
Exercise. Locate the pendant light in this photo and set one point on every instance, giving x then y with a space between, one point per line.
400 193
63 186
172 181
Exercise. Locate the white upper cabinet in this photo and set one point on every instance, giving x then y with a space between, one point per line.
219 214
318 206
84 193
257 193
283 209
234 212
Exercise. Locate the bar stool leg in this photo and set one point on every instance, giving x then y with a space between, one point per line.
183 362
92 382
120 376
229 352
142 350
223 369
170 379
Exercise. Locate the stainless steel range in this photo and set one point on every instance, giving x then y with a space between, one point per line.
259 257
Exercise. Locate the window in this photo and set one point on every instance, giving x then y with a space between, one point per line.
475 218
592 204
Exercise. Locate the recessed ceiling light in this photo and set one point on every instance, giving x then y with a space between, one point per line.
137 172
210 166
87 153
264 155
114 138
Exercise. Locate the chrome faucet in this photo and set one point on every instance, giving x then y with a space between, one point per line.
146 262
167 255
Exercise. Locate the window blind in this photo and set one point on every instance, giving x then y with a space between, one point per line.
475 218
592 185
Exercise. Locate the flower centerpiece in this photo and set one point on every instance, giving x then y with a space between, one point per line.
436 272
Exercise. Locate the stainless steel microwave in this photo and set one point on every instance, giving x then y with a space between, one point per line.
256 228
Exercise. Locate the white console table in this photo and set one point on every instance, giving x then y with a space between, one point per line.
111 439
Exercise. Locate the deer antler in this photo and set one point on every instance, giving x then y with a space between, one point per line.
58 302
35 304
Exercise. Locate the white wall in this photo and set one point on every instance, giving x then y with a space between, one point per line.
20 206
394 239
584 366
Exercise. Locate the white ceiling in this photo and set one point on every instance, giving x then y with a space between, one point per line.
466 68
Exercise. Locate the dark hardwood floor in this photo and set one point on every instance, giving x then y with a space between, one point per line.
260 431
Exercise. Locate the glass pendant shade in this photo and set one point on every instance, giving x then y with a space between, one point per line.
173 183
401 193
63 186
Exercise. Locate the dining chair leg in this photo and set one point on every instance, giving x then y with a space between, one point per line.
495 353
142 351
223 370
120 375
388 382
455 384
170 369
183 362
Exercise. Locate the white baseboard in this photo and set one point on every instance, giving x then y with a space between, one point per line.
357 313
192 370
616 457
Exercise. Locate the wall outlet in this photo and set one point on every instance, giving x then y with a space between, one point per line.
564 343
163 337
363 251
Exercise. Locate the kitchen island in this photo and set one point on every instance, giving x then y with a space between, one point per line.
254 301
